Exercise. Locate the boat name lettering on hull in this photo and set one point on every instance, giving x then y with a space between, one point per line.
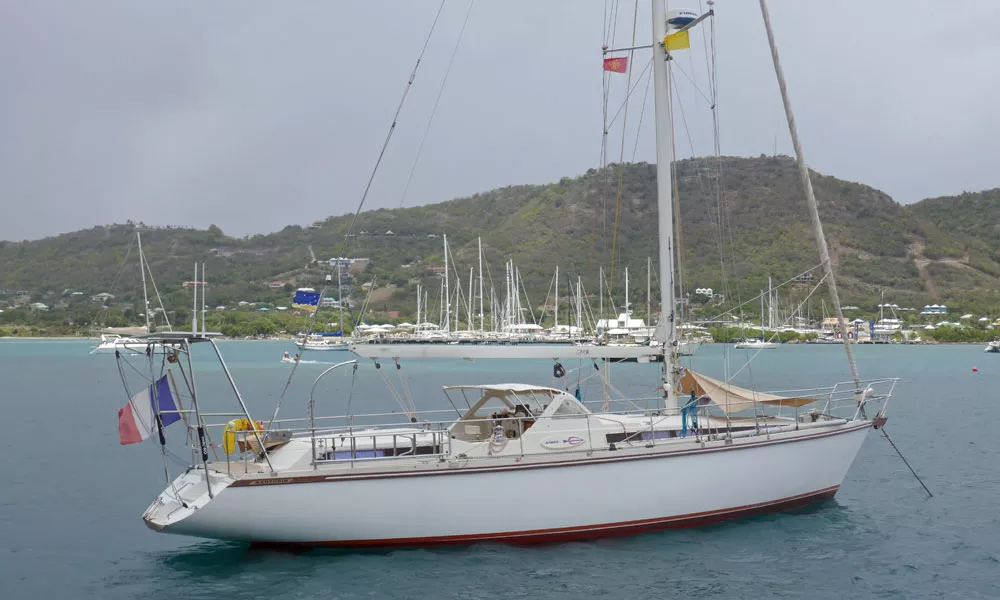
270 481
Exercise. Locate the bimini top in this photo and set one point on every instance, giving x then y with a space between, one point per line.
538 400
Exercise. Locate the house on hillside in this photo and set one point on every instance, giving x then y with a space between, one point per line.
102 297
276 285
857 329
38 306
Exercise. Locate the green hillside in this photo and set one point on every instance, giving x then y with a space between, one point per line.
942 250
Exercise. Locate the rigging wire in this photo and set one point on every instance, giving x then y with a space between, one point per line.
632 90
392 128
437 101
754 299
364 196
114 282
621 164
694 84
610 35
803 169
163 309
676 185
642 112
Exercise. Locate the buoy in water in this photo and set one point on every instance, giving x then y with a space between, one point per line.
975 369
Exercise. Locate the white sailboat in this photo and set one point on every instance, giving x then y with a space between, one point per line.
511 338
993 346
887 327
755 344
760 343
317 342
695 458
112 342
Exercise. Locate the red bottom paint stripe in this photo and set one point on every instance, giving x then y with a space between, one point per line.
586 532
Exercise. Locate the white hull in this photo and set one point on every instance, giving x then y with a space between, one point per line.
541 498
993 347
755 345
687 348
508 351
109 347
334 347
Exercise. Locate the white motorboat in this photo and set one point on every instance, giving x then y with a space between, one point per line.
112 342
993 346
517 463
315 343
755 344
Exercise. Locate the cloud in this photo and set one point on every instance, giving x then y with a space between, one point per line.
253 115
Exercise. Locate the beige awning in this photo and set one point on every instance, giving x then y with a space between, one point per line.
731 398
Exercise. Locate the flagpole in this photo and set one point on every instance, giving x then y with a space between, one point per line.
197 414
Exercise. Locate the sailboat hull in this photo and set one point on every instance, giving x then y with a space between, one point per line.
608 493
133 347
332 347
509 351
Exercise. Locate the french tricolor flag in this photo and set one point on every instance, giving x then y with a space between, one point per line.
137 419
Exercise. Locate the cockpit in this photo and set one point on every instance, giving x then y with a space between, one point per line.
514 408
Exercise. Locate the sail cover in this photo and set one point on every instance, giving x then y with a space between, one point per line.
732 399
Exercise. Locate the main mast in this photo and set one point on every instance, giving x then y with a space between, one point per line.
142 269
649 276
627 311
482 321
664 159
556 326
446 293
340 301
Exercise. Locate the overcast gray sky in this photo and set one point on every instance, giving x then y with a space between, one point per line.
256 114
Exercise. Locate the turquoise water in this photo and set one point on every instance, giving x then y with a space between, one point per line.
71 497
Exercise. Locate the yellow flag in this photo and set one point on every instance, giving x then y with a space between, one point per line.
677 41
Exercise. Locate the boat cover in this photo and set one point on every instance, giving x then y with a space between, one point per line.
731 398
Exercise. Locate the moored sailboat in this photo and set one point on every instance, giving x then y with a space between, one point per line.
112 341
694 451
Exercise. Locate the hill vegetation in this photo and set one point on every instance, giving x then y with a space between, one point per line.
742 220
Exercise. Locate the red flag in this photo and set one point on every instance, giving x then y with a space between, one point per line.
616 65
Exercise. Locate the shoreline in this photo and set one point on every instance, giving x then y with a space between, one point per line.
63 338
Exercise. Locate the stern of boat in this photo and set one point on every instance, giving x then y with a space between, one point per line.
183 497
